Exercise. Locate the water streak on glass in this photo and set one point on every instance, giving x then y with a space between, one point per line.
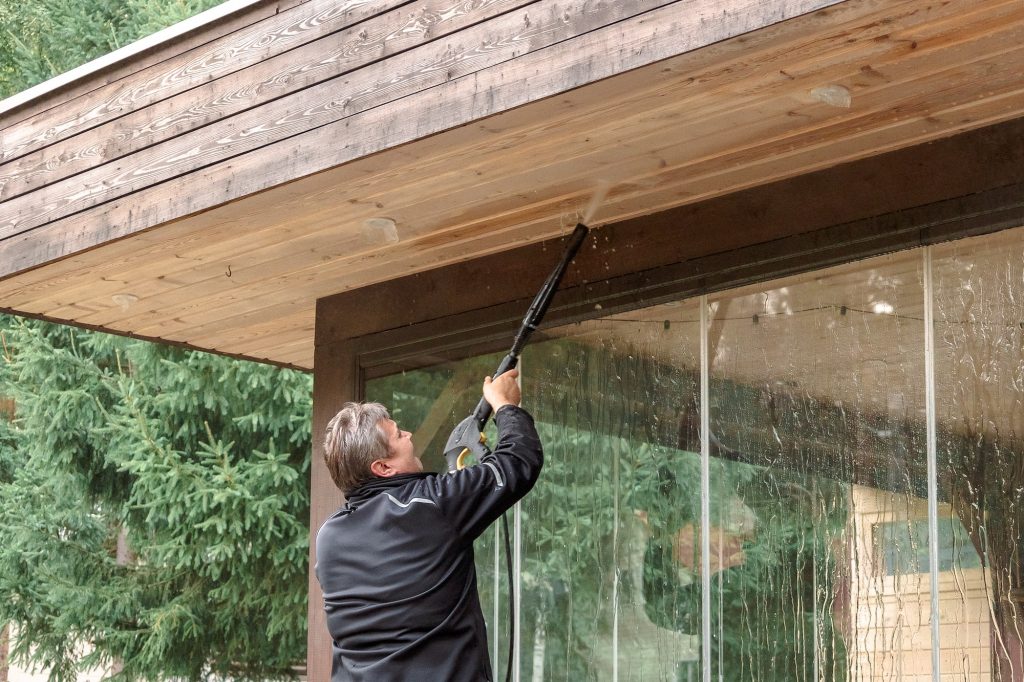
819 555
979 332
819 471
612 538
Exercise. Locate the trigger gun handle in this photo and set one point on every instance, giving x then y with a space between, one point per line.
483 408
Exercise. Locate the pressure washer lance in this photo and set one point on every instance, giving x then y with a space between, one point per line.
467 444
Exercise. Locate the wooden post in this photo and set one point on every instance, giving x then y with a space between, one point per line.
335 381
6 412
4 649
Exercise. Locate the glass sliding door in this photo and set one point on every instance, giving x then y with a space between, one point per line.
611 532
818 476
822 549
979 341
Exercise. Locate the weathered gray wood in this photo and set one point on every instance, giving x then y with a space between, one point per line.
478 47
284 31
17 115
327 57
642 40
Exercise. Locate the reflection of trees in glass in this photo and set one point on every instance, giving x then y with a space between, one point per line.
776 561
774 575
621 480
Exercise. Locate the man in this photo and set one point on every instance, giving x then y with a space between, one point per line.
396 562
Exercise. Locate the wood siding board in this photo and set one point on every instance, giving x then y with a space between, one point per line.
462 238
327 57
433 110
160 54
484 46
756 65
206 62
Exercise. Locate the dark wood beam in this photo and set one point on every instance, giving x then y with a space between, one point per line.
335 382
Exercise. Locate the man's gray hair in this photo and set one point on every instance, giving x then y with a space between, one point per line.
354 440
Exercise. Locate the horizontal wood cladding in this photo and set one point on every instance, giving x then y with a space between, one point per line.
856 80
216 144
259 79
261 36
115 72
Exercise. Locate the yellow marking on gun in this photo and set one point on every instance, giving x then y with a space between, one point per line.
460 461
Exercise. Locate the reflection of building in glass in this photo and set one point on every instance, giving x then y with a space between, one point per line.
891 620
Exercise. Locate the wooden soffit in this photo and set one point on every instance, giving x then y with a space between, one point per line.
300 149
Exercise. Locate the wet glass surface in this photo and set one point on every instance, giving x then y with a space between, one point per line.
614 517
818 469
820 557
979 348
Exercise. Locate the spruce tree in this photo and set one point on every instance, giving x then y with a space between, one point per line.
154 504
154 501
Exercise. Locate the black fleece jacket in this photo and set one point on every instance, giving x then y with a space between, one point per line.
396 564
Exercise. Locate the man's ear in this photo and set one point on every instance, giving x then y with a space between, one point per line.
381 469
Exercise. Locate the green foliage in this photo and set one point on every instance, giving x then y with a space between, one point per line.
40 39
196 464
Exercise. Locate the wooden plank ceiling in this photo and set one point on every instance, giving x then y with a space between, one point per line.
210 198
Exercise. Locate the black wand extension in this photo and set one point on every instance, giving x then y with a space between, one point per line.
467 438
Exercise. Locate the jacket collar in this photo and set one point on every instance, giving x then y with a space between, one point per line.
375 486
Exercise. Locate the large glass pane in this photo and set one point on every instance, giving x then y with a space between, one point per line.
819 530
818 472
611 532
979 341
430 402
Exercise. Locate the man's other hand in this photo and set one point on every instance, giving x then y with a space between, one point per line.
502 391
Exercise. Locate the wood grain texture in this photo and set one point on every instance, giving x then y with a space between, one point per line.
478 47
273 35
129 68
451 103
327 56
266 267
712 122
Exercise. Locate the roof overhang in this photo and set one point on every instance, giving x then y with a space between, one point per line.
211 196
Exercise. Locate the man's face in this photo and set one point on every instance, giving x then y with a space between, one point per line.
403 459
